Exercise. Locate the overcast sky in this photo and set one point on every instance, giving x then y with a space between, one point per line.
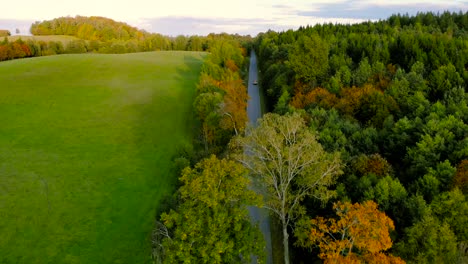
190 17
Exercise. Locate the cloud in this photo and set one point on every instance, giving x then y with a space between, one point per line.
379 9
181 25
281 6
424 4
246 17
13 24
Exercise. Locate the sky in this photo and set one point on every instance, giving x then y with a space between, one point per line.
201 17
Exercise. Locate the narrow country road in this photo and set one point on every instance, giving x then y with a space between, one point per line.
254 111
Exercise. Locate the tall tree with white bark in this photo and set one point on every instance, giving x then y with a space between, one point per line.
289 164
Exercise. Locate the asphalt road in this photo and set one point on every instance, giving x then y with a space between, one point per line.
254 111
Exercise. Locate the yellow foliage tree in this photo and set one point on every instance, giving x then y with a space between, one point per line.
234 107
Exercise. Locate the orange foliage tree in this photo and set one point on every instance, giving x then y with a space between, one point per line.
381 79
318 96
351 98
368 104
234 107
374 163
359 235
4 52
461 177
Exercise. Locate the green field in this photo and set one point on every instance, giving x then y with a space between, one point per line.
85 149
62 38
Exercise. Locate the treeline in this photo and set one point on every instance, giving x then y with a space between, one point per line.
117 37
391 97
18 49
221 101
14 50
89 28
154 42
103 35
206 220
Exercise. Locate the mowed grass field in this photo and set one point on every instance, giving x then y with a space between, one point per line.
62 38
85 148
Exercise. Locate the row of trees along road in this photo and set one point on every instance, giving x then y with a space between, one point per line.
208 221
391 97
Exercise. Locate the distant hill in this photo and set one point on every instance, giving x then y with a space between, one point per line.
4 33
65 35
89 28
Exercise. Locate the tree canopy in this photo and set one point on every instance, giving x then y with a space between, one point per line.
210 223
289 165
361 234
391 96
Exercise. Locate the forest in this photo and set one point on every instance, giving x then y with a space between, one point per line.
391 97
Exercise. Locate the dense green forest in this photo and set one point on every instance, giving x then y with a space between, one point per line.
391 97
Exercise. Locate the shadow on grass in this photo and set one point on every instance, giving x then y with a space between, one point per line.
163 126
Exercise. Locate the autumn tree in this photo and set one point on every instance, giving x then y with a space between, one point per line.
221 101
374 163
211 223
461 177
360 234
317 97
289 164
206 106
234 107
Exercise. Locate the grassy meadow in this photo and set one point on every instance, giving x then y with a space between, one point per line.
85 148
62 38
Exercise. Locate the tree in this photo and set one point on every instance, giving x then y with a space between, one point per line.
180 43
211 223
309 59
374 163
442 80
362 73
452 208
429 241
318 96
207 107
359 235
387 192
289 164
461 177
76 46
234 106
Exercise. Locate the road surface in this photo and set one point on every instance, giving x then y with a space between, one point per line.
254 111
